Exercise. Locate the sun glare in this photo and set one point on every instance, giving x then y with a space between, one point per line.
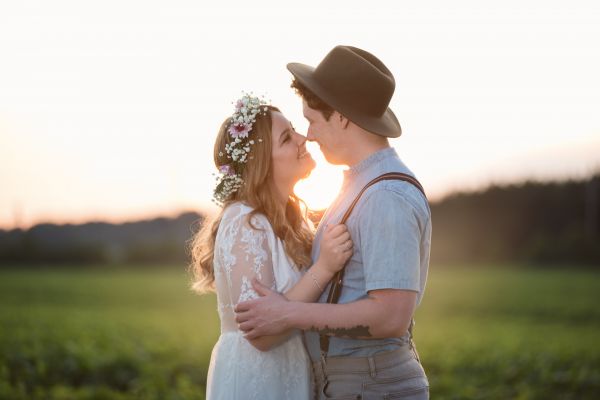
321 187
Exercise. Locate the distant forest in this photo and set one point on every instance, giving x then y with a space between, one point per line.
546 224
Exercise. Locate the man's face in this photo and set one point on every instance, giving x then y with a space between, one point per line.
327 134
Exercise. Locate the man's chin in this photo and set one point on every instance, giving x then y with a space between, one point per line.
328 156
332 160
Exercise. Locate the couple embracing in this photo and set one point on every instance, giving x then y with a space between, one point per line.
323 314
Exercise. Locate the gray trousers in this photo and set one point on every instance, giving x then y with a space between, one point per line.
396 374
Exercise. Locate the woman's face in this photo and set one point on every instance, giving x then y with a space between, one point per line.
291 160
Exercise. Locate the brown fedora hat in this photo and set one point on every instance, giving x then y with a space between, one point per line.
356 84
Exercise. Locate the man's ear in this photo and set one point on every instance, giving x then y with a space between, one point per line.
343 120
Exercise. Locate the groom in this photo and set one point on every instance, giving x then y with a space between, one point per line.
370 352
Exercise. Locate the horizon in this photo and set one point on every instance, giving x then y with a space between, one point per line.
109 111
211 211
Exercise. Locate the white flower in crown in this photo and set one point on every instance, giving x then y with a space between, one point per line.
241 122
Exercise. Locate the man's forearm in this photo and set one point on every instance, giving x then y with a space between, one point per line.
370 318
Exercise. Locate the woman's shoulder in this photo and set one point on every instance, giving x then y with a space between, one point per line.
236 210
242 212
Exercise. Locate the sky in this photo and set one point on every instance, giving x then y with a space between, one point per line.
109 110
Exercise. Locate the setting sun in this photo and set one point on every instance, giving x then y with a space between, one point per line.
321 187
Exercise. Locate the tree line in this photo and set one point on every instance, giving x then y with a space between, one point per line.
535 223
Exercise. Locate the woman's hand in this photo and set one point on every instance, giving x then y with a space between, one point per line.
336 248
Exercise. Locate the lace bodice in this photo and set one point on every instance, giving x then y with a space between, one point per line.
243 253
238 370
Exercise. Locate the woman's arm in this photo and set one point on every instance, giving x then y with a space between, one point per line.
336 248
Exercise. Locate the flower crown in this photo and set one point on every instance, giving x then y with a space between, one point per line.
229 179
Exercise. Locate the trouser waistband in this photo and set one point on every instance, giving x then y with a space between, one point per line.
332 365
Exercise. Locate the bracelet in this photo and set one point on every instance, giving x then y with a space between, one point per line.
314 278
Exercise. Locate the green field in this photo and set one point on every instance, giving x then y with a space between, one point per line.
482 333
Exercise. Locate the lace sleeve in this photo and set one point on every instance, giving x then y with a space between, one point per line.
252 255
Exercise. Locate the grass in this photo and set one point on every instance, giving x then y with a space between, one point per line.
482 333
511 334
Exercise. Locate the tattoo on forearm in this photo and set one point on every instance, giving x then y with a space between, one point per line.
359 331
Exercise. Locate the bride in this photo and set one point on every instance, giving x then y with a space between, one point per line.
262 233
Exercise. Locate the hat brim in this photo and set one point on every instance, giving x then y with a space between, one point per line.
387 125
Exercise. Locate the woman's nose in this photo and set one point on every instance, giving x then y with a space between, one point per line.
300 139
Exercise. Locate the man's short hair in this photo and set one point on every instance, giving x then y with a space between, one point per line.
312 100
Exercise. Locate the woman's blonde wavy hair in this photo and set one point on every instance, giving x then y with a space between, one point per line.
258 192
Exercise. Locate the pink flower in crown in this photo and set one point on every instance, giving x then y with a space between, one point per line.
239 130
238 105
226 169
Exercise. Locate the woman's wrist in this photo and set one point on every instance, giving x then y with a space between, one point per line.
315 280
320 276
321 271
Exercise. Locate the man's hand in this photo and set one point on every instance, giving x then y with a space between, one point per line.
266 315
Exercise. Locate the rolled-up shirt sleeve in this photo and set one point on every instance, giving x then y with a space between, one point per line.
390 237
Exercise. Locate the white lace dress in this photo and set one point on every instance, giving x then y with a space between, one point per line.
237 369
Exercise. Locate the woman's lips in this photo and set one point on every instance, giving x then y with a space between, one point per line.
303 153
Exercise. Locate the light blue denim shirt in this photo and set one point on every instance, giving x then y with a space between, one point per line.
391 230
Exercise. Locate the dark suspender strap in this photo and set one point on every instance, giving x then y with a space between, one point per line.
336 283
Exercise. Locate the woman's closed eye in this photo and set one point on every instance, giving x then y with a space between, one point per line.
286 136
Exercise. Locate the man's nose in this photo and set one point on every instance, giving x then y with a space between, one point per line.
309 136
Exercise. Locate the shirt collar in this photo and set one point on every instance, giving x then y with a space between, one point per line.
365 164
